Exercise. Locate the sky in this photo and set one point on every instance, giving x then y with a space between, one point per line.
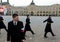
37 2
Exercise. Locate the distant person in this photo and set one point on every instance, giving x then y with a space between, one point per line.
27 26
2 25
15 33
48 26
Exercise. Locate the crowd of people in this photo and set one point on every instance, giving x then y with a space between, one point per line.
15 32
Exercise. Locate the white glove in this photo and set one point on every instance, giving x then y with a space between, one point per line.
23 40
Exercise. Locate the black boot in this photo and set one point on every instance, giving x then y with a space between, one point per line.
45 36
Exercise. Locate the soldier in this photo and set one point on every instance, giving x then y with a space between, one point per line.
27 26
2 25
48 26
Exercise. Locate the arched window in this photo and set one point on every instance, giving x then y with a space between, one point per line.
43 11
40 11
32 13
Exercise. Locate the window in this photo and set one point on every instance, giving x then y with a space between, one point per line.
43 11
40 11
46 11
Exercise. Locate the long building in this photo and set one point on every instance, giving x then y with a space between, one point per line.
33 9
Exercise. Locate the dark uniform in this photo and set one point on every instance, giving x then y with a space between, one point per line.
14 32
27 26
2 25
48 27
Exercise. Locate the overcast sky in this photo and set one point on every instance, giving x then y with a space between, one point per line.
37 2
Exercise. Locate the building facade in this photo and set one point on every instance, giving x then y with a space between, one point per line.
33 9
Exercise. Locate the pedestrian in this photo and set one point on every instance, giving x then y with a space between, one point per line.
15 34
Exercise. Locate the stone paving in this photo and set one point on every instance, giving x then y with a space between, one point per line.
38 27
